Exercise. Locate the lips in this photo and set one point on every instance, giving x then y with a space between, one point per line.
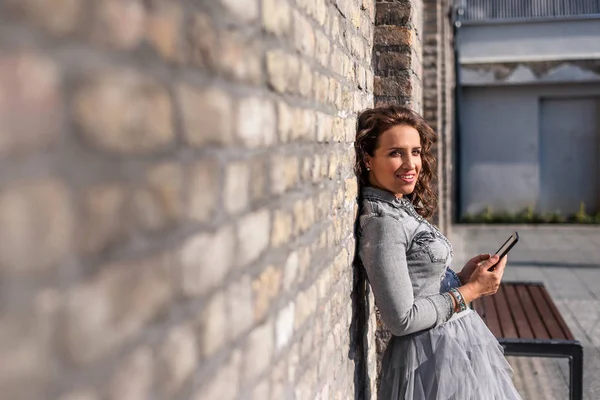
408 178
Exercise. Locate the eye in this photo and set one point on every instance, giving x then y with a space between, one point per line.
416 152
396 153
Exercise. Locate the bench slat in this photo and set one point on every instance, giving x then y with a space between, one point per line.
546 314
509 330
516 308
491 317
561 322
537 326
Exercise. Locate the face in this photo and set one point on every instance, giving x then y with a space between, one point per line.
396 163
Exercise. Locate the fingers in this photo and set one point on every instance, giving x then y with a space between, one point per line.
501 265
479 258
489 263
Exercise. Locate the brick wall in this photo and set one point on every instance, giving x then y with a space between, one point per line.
176 192
438 95
398 53
177 199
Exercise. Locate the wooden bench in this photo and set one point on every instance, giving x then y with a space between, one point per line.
527 323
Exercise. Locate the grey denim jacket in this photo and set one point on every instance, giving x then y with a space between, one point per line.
407 263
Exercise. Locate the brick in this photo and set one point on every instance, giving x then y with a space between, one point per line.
119 23
203 190
163 29
239 58
299 220
31 112
244 10
147 125
397 13
284 173
322 48
338 132
237 186
206 260
259 351
27 346
306 169
321 12
335 27
35 215
357 46
160 203
333 166
333 88
59 17
309 211
253 236
213 331
239 303
178 358
277 70
389 63
323 205
265 288
258 182
304 36
80 394
321 88
324 127
104 220
316 171
206 116
282 228
302 309
393 86
276 16
256 122
203 48
115 305
224 383
133 378
305 81
285 121
284 326
304 258
304 123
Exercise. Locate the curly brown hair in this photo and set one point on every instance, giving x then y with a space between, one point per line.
371 124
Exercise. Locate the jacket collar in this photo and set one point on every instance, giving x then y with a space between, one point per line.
383 195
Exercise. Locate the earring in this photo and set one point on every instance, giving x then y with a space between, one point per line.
368 169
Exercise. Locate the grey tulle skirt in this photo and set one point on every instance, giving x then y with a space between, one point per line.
459 360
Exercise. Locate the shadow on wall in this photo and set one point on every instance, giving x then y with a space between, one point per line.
366 380
358 327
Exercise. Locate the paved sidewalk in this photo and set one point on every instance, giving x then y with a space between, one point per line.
567 260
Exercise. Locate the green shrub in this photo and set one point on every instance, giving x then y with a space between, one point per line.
529 216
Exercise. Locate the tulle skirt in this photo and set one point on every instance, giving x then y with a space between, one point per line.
458 360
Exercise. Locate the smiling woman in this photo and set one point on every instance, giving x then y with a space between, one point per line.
440 349
393 152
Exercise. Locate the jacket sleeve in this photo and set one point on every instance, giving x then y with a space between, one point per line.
382 249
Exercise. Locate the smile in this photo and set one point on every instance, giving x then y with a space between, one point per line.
407 178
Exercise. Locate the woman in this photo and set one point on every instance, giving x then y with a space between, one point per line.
440 349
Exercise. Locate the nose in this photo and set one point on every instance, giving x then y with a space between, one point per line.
409 162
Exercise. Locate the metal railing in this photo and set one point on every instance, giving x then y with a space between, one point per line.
490 10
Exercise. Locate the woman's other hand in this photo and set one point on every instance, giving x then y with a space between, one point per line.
465 274
482 281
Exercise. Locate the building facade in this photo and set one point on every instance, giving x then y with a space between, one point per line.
529 131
